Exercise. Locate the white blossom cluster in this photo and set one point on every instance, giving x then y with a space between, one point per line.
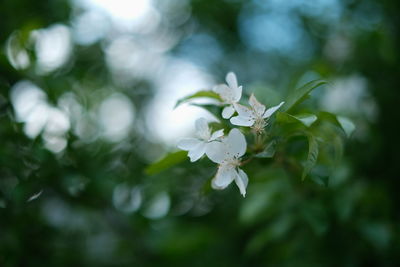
227 151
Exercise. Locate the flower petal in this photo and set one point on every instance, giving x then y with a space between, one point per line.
231 80
188 143
216 151
225 175
197 152
237 93
236 144
242 121
217 134
241 181
257 106
214 186
202 129
227 112
272 110
243 111
224 92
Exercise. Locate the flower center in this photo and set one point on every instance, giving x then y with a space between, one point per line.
259 125
234 162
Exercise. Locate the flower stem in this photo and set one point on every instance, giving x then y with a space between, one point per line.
258 141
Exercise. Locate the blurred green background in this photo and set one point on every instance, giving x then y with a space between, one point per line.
87 89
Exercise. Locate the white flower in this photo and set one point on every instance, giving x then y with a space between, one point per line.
227 154
254 115
197 146
229 94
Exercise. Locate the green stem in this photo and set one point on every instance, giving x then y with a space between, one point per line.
258 141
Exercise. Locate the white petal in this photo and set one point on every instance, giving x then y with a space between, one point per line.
272 110
202 129
196 152
217 134
224 92
227 112
241 181
231 80
257 106
242 121
188 143
225 175
244 111
237 93
214 186
216 151
220 88
236 144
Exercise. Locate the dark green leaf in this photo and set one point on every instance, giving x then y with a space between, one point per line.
320 180
305 119
327 116
347 125
300 94
166 162
344 123
312 155
337 142
200 94
268 152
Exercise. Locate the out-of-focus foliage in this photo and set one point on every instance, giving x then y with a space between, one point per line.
86 89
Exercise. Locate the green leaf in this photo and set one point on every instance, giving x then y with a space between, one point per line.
200 94
337 143
327 116
166 162
306 119
312 155
283 117
299 95
347 125
344 123
322 180
268 152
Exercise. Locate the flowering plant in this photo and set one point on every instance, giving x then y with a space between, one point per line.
254 132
